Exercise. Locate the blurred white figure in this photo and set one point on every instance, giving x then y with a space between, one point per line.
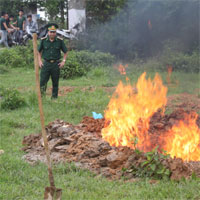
31 26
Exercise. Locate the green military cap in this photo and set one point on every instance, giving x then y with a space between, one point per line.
52 27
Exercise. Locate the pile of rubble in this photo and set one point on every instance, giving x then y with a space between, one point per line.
82 144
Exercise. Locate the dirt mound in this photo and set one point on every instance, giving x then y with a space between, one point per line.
83 145
93 125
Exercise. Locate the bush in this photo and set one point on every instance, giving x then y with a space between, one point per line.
11 99
10 57
15 57
80 62
181 61
27 53
98 72
3 69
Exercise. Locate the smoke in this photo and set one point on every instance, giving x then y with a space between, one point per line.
144 26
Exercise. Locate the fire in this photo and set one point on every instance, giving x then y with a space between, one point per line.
129 112
149 24
169 73
128 116
122 69
183 140
168 77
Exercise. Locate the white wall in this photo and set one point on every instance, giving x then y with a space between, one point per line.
77 16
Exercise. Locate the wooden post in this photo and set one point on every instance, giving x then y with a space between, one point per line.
49 191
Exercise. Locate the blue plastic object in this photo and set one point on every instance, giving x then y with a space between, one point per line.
97 115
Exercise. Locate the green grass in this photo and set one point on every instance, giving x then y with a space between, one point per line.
19 180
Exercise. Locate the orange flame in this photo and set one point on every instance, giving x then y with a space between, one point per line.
129 112
183 140
128 115
169 73
122 69
149 24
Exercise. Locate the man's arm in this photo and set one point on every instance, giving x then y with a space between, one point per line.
12 26
61 64
65 57
28 29
40 49
23 27
4 23
40 59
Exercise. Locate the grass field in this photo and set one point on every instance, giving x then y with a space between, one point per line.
21 181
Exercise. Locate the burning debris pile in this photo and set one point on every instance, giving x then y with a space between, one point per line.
134 121
83 145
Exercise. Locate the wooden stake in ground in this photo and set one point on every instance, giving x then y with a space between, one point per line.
51 193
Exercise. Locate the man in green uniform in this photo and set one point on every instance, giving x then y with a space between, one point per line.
2 14
4 29
21 25
50 50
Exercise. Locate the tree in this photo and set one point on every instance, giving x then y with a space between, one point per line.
102 11
13 6
56 11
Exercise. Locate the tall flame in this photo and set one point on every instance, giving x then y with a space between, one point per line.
183 140
129 112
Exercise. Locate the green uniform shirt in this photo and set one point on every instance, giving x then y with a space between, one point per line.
20 21
2 26
52 50
13 23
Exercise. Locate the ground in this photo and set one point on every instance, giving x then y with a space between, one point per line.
19 180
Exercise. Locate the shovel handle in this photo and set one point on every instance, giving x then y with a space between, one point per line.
44 135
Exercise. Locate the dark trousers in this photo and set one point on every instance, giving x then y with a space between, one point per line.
50 70
18 36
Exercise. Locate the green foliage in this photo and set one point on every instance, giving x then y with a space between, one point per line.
11 99
102 11
3 69
16 57
78 63
55 10
27 53
32 99
10 57
73 67
181 61
151 165
13 6
97 73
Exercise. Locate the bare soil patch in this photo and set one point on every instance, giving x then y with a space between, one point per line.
64 90
184 101
82 144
